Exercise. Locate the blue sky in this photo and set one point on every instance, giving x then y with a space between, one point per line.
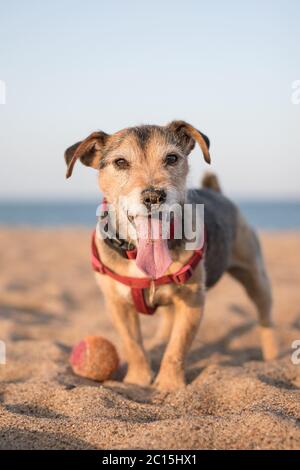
72 67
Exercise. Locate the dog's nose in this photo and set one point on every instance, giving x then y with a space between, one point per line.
153 196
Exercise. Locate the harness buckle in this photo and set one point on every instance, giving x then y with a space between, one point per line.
181 278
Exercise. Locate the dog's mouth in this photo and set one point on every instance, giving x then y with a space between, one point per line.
153 256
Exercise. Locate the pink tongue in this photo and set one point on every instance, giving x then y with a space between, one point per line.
152 250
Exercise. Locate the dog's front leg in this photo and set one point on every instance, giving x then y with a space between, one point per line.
127 323
188 314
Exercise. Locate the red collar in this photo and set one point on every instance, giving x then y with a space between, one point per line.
137 284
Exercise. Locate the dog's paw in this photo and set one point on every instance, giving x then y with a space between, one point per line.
269 343
143 378
167 384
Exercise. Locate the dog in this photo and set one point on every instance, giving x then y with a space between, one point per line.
148 165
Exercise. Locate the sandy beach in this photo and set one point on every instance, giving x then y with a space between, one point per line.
49 301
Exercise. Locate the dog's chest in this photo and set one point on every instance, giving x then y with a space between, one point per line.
161 295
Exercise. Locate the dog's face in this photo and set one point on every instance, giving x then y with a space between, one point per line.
143 167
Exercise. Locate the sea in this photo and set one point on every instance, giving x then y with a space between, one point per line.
264 215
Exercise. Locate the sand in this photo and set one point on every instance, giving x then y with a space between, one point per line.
233 400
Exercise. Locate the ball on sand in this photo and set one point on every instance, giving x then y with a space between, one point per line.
95 358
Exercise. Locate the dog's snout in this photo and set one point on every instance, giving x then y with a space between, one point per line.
153 196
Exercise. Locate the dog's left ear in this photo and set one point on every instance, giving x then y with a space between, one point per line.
88 151
187 136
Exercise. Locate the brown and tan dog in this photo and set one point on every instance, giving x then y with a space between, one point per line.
149 165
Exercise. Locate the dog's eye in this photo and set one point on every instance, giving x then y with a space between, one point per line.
171 159
121 163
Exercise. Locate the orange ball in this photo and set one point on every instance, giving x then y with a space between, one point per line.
95 358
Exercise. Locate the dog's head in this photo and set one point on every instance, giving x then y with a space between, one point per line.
147 164
142 170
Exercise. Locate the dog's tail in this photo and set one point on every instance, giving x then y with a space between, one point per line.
211 181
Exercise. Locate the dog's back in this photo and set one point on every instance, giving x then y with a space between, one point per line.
220 217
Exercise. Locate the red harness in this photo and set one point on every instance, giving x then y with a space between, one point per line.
137 284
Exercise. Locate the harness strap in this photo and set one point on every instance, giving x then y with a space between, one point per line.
138 296
138 285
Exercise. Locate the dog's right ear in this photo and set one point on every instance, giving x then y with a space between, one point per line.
88 151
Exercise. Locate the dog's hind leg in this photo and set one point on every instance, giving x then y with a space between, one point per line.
257 285
248 268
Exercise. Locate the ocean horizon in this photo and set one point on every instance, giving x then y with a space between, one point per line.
261 214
